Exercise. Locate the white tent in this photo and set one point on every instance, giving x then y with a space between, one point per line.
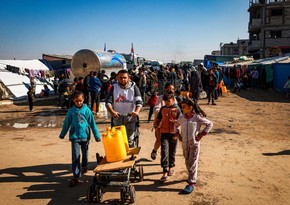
25 64
17 83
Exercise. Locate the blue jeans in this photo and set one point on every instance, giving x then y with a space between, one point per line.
76 166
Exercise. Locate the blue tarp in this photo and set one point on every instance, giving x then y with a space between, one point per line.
281 73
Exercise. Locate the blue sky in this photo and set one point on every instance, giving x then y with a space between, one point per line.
159 29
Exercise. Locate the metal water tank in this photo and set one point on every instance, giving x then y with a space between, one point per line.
86 60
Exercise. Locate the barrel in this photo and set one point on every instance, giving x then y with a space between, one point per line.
84 61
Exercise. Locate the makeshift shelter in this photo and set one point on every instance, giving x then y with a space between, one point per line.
15 77
281 73
266 70
226 68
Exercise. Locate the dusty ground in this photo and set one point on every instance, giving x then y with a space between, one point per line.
244 160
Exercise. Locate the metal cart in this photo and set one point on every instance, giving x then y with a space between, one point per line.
116 174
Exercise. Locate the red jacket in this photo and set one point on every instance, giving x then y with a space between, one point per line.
164 116
152 100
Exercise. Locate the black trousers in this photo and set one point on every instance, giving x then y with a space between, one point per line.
30 102
95 98
210 94
150 113
168 151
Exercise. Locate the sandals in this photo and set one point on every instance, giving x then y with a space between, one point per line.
164 178
153 154
73 182
171 172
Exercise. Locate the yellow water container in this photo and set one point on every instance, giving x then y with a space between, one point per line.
114 145
224 89
124 133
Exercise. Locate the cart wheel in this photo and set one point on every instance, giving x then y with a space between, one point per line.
141 173
99 194
91 193
132 193
123 195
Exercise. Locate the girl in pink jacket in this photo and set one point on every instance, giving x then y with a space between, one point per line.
187 129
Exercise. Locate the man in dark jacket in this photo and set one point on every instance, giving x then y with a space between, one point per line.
95 89
195 85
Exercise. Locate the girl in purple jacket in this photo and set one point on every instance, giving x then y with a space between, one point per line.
188 130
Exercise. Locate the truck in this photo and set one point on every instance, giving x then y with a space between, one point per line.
132 60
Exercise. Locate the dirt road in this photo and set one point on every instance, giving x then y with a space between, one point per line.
244 160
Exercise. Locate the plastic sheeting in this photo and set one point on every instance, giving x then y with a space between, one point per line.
17 84
281 73
25 64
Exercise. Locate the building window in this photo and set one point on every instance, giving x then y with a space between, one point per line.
276 12
275 34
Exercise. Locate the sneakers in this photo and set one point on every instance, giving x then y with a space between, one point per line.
188 189
153 154
73 182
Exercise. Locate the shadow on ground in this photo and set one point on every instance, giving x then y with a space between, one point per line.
262 95
284 152
51 182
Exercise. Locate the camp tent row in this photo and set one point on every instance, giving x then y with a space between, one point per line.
15 77
272 71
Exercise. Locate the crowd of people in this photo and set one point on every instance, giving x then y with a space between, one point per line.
124 99
176 117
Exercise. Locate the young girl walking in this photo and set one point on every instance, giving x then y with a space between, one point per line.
188 130
79 119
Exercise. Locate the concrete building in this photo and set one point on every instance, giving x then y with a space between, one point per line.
269 28
235 49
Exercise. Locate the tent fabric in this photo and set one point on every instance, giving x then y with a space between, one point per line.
281 73
270 73
25 64
46 63
17 84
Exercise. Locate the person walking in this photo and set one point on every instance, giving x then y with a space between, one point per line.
160 103
195 85
79 119
87 87
151 102
30 95
255 77
188 130
95 91
211 84
124 102
166 114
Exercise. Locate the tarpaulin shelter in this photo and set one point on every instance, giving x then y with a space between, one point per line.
281 73
15 77
266 69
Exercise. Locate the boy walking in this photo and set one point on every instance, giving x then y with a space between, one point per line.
79 119
167 115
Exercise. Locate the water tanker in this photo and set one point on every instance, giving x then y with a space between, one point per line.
86 60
